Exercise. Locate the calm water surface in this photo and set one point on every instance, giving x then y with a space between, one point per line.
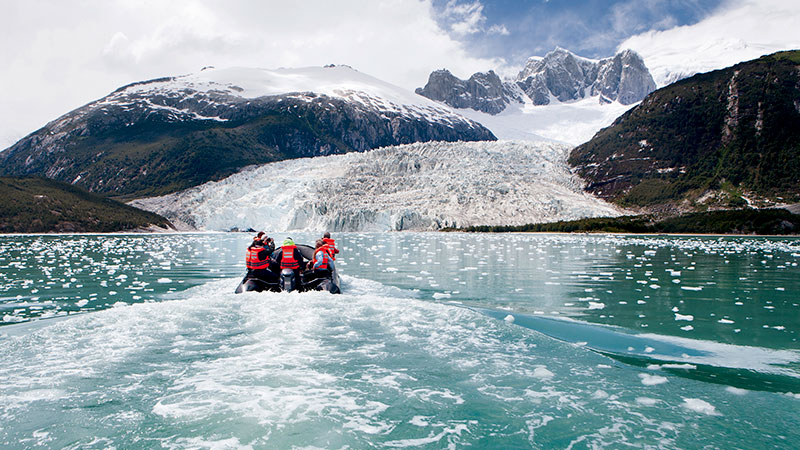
439 340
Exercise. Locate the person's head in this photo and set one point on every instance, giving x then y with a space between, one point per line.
319 243
327 235
287 241
260 235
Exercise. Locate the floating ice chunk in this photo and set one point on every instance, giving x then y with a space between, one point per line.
687 317
420 421
599 394
390 269
541 372
646 401
509 318
676 281
652 380
675 309
649 350
724 321
164 280
596 305
700 406
655 286
692 288
81 303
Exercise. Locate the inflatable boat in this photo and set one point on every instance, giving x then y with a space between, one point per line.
276 280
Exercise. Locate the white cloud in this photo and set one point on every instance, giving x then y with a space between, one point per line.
498 29
738 31
60 55
465 18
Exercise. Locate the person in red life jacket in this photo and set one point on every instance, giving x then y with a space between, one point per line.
332 250
289 257
258 258
321 265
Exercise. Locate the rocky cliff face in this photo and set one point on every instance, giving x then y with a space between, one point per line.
168 134
560 75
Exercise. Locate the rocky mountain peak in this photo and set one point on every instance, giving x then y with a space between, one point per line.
560 74
483 91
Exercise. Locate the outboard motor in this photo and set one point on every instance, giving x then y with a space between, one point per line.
289 281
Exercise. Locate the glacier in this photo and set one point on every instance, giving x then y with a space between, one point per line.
422 186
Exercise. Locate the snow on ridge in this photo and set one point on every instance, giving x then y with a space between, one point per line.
409 187
341 82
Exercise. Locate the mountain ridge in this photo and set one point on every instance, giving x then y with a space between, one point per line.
558 76
170 133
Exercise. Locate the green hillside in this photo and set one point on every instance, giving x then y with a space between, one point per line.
704 142
747 221
38 205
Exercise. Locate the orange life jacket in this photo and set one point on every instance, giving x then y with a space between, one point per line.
324 264
331 245
288 260
252 261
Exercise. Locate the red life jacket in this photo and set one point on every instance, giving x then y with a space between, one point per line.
324 264
252 261
331 245
288 260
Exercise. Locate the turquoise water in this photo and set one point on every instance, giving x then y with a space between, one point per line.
438 341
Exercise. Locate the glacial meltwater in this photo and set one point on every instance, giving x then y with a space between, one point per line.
439 340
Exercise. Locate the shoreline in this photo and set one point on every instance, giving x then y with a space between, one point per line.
565 233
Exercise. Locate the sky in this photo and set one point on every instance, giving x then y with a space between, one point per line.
61 54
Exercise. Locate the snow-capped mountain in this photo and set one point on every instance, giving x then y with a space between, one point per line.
560 76
561 96
170 133
409 187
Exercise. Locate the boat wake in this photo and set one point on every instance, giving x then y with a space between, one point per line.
374 366
738 366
